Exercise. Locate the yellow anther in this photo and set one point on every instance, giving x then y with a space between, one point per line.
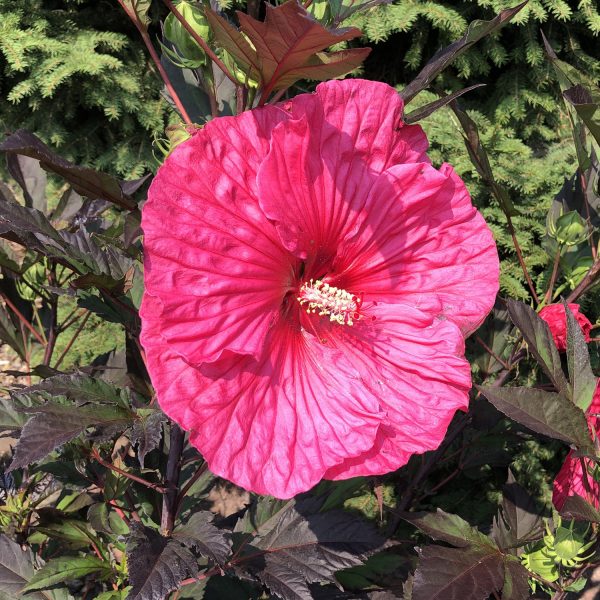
341 306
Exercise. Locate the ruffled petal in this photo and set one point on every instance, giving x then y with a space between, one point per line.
211 255
368 115
423 243
314 186
272 426
415 365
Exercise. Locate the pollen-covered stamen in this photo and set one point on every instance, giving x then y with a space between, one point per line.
324 299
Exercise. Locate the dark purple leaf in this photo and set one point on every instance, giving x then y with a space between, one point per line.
157 564
147 431
480 160
587 105
16 569
576 507
543 412
475 31
516 580
540 343
583 380
305 549
53 425
518 519
200 534
31 178
458 573
87 182
421 113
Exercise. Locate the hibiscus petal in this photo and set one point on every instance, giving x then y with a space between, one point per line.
369 115
314 186
415 366
571 481
272 426
423 243
211 255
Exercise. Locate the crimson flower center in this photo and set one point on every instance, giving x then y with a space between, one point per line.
324 299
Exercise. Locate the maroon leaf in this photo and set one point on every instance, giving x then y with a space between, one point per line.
87 182
449 573
543 412
289 45
539 342
476 31
428 109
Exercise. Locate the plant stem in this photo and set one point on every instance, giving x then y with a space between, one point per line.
513 235
550 290
201 42
153 486
491 352
186 488
23 320
141 27
169 507
72 340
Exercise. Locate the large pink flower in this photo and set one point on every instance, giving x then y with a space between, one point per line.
310 278
571 479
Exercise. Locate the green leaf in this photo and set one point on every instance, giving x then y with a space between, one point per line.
543 412
447 527
87 182
475 31
540 343
66 568
583 380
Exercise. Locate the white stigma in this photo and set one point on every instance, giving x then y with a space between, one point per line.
324 299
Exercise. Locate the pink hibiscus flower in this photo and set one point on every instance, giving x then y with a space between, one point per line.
310 278
571 480
554 315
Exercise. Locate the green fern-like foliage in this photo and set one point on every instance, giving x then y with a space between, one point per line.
521 90
78 77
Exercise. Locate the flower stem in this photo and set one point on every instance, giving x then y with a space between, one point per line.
169 507
143 30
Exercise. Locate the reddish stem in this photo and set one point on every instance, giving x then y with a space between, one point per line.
72 340
23 320
153 486
156 60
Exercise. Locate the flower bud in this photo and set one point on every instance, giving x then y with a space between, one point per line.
569 229
177 34
241 74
